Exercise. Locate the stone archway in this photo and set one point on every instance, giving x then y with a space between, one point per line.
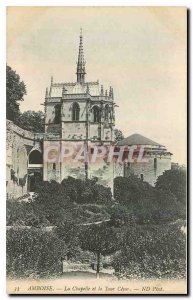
35 168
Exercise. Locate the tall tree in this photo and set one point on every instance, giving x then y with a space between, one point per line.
15 90
32 121
144 202
174 182
100 240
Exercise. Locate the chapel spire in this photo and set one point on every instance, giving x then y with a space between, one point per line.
81 62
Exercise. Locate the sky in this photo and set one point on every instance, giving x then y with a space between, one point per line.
139 51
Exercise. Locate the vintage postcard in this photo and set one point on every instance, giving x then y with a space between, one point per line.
96 150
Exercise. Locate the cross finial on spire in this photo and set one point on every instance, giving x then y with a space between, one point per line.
81 62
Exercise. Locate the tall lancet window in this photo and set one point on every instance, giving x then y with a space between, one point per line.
106 112
57 118
75 112
96 114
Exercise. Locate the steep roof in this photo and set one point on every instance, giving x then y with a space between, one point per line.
137 139
75 88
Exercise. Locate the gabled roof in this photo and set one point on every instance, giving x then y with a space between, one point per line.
75 88
137 139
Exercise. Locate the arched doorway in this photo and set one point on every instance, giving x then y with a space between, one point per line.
35 169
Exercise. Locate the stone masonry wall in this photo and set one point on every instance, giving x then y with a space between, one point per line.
147 169
18 145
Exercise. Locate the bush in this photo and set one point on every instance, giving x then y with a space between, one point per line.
174 182
152 251
24 214
146 203
33 253
81 191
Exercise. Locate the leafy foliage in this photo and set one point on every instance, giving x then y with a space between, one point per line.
53 201
149 250
32 121
87 191
152 252
68 232
145 202
118 135
100 240
15 90
34 253
120 216
174 182
24 214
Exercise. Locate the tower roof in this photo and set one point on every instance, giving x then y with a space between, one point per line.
81 62
137 139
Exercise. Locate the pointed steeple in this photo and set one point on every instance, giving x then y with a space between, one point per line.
81 62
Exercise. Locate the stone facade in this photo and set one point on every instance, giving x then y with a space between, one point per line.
77 114
156 159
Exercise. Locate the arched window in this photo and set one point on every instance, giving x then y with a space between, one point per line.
75 112
35 157
57 114
106 112
96 114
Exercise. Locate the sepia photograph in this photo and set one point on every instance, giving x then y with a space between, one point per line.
96 150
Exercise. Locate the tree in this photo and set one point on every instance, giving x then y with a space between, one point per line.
120 216
32 121
86 191
24 213
118 135
68 232
144 202
173 181
51 199
100 240
156 251
33 252
15 90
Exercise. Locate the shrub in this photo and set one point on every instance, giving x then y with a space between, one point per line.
33 252
146 203
152 251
